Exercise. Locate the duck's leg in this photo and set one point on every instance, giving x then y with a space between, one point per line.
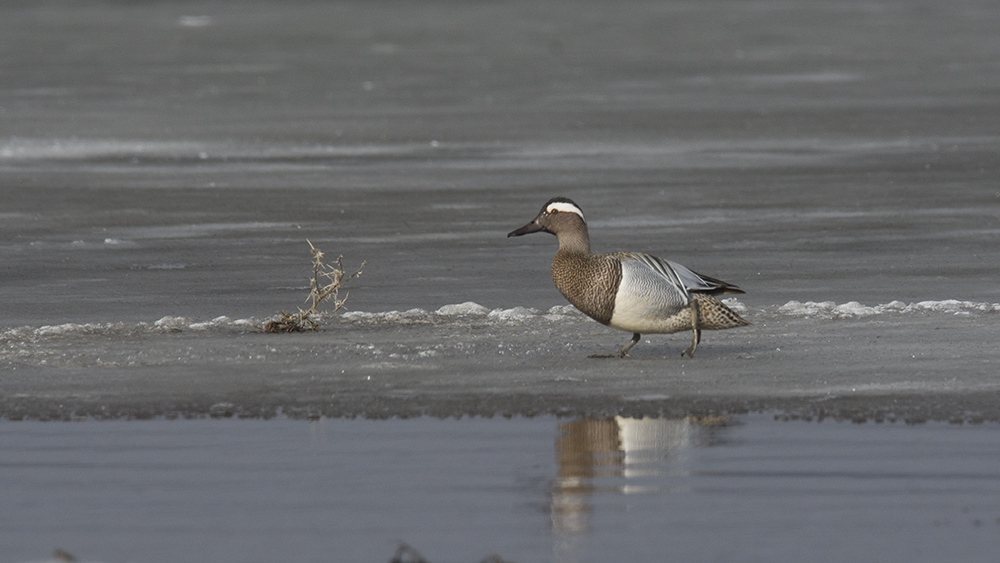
695 331
624 351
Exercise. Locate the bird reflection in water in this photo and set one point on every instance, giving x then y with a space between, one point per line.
619 455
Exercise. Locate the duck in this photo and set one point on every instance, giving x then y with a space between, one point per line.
630 291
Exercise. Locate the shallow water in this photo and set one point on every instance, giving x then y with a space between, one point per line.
745 488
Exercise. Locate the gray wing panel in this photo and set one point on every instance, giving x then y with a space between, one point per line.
676 274
690 279
656 278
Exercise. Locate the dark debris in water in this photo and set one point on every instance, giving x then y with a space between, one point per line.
407 554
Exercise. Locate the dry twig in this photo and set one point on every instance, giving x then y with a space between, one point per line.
326 283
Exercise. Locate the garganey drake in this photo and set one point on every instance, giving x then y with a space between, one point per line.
630 291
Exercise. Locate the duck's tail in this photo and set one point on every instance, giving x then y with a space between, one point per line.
715 315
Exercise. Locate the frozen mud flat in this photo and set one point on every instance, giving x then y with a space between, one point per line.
175 161
896 361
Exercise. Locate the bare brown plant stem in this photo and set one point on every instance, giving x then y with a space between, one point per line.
326 282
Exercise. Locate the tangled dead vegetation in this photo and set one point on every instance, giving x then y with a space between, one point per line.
326 282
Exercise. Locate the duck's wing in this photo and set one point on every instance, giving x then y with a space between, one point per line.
681 277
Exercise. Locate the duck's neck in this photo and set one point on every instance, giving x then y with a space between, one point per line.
574 242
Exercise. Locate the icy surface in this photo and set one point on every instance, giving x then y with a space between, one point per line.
158 186
830 309
467 308
463 313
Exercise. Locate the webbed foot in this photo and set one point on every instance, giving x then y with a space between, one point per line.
623 353
618 354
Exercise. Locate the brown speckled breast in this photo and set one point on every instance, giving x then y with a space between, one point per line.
589 281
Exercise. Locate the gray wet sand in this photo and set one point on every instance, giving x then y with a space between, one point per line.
910 367
170 160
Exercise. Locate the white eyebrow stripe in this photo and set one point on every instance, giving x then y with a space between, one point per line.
565 208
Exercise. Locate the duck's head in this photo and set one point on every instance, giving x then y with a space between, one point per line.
558 215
